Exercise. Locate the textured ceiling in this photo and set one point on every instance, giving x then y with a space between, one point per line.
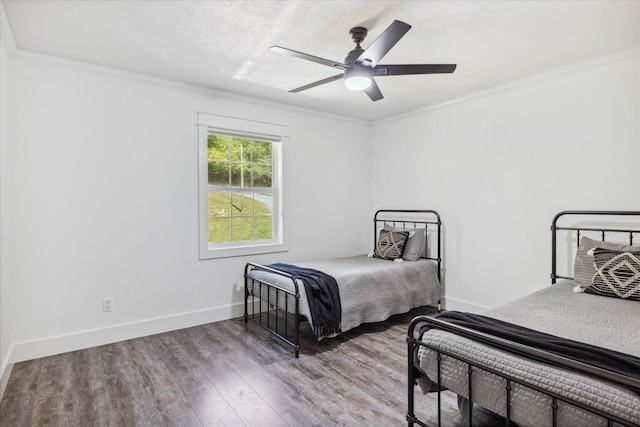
225 44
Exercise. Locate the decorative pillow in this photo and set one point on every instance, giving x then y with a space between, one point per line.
390 244
583 269
617 274
415 246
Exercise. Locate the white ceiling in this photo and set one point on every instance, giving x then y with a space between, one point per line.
225 44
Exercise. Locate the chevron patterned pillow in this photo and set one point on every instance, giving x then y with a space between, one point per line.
390 244
617 274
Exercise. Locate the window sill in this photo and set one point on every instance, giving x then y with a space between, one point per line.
210 253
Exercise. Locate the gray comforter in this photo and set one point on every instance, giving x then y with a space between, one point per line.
557 310
371 289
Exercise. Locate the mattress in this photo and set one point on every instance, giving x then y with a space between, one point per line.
604 322
371 289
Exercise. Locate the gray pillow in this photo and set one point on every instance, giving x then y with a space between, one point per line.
583 268
390 244
415 246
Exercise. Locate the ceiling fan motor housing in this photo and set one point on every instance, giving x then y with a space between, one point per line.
357 34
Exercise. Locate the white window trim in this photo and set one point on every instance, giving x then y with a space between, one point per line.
210 123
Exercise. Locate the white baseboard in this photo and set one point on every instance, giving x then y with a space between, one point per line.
4 378
460 305
49 346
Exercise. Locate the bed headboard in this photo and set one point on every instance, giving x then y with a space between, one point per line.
413 219
618 226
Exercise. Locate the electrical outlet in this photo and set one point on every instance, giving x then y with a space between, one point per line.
106 304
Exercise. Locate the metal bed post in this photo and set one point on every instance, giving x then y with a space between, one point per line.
246 297
296 327
439 225
411 381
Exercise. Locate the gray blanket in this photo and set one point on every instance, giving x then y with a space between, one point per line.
371 289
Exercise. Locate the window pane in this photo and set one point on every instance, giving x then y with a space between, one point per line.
240 150
264 227
262 152
219 204
218 173
218 156
241 175
242 228
219 229
218 147
263 204
262 176
239 204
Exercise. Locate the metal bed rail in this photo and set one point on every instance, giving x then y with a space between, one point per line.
602 230
277 308
414 343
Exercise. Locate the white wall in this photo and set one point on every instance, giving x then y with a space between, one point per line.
99 192
499 166
5 339
101 176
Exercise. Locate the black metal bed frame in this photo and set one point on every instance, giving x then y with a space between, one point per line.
274 302
413 343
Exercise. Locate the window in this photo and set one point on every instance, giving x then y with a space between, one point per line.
240 187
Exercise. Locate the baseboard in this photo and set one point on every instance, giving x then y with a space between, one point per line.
4 378
460 305
28 350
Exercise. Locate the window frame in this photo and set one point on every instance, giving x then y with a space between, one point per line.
230 126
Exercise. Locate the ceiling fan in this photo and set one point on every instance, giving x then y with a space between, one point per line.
361 66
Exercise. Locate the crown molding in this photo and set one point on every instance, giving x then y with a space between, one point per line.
14 52
521 82
6 33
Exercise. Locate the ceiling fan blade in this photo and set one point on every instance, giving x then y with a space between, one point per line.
318 83
401 70
383 43
374 91
308 57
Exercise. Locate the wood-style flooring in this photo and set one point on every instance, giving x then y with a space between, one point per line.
225 374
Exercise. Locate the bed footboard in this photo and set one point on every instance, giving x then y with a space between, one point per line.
510 382
273 307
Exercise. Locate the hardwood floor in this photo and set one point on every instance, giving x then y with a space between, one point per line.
220 374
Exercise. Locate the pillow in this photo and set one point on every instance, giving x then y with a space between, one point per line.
583 269
414 248
617 274
390 244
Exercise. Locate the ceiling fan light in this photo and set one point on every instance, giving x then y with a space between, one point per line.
357 79
357 82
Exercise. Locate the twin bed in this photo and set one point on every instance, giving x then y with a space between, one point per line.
370 288
526 377
589 376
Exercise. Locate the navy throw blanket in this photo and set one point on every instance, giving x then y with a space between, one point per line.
323 298
610 360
